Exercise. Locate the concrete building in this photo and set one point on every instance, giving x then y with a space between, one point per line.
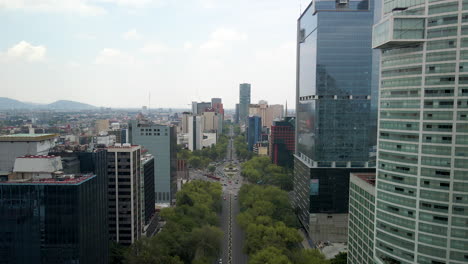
361 218
185 122
124 165
160 141
244 102
268 113
13 146
335 109
210 120
422 174
59 218
196 125
102 126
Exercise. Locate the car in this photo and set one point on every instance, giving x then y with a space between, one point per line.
224 197
220 261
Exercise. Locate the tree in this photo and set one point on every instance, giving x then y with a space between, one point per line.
341 258
269 255
309 256
117 253
211 168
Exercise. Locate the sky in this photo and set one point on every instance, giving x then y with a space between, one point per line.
162 53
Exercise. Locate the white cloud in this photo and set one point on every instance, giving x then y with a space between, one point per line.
131 35
109 56
154 48
221 37
26 51
83 7
54 6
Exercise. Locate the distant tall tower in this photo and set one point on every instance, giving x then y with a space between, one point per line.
244 101
286 109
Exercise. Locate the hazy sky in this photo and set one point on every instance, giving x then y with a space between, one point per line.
114 52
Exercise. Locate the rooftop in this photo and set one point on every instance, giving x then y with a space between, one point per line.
27 137
37 157
367 177
71 179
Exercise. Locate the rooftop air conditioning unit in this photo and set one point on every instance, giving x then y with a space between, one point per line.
342 2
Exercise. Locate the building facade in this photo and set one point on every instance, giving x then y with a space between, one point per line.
361 218
124 168
195 131
422 170
334 111
160 141
244 101
283 142
254 131
148 209
56 220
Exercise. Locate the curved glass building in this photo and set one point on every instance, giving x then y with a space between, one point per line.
422 162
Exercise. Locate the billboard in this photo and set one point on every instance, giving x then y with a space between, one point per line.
314 187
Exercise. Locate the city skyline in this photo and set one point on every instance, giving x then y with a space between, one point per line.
115 53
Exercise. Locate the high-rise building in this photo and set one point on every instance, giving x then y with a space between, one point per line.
210 120
195 131
160 141
244 101
422 171
361 218
268 113
254 131
47 216
148 209
184 121
334 112
283 142
236 114
215 101
124 165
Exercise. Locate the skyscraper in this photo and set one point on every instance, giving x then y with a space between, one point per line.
160 141
334 113
282 142
124 165
254 131
422 171
244 101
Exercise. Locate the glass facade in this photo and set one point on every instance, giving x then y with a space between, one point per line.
254 131
421 197
53 223
244 101
336 106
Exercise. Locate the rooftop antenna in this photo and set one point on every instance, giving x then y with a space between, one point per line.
300 7
149 102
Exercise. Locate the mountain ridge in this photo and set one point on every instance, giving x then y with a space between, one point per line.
12 104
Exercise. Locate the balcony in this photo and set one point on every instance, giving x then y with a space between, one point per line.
397 31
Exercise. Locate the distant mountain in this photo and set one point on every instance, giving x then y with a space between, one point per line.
69 105
7 104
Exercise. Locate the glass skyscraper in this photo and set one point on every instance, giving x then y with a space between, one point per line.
422 177
335 112
244 101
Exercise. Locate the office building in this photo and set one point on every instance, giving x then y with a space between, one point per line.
236 114
283 142
49 217
124 165
361 218
268 113
148 209
216 101
210 120
101 126
201 107
254 131
244 102
160 141
13 146
195 131
334 112
422 171
184 122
